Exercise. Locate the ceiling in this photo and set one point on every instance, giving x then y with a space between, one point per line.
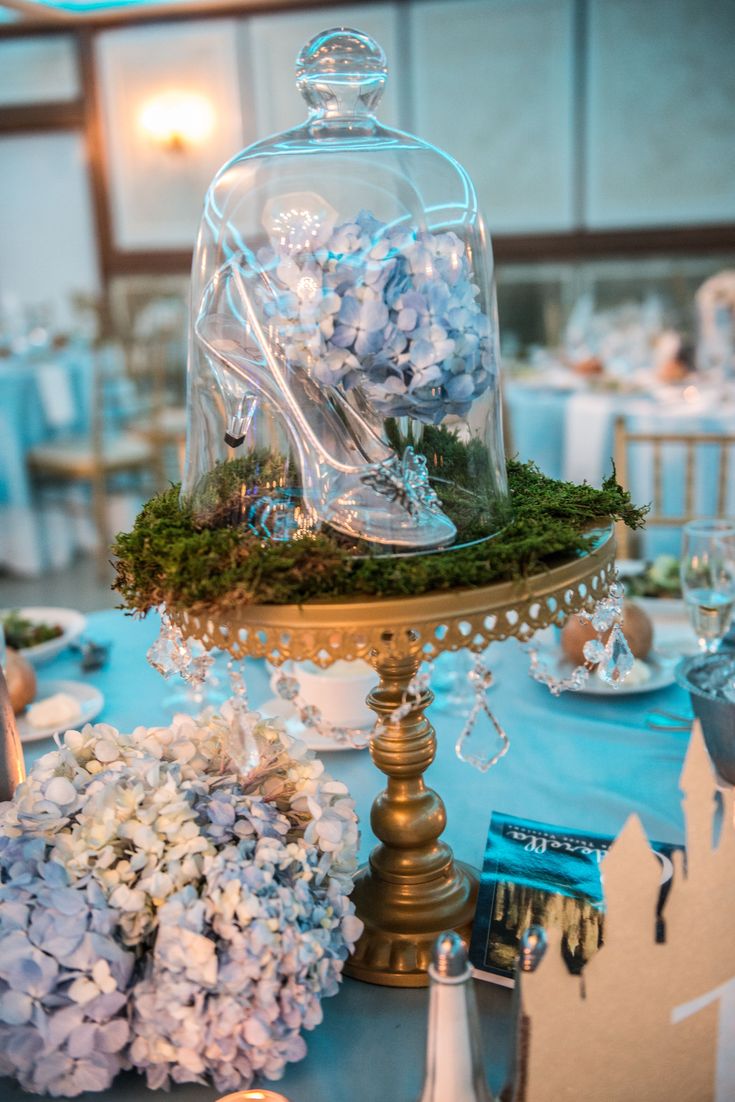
28 12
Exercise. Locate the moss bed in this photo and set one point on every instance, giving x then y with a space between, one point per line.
205 563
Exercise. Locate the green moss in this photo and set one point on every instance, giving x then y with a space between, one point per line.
171 557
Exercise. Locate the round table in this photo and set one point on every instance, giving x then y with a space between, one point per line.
584 762
569 432
43 394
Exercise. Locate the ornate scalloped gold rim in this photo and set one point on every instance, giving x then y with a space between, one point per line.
326 631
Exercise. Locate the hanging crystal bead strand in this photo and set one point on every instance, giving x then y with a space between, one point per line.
483 741
171 653
418 684
238 685
202 689
612 656
287 688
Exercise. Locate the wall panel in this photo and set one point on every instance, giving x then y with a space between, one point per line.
493 85
156 193
660 114
38 70
48 250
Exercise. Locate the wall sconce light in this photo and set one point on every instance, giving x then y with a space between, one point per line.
177 120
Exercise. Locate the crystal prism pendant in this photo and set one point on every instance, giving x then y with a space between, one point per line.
617 660
482 742
594 651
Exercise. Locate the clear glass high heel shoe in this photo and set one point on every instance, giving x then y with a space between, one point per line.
350 478
343 369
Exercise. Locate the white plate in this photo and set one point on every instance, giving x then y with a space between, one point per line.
673 635
91 702
281 709
72 622
662 675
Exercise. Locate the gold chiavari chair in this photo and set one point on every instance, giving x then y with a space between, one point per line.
158 368
109 450
693 445
149 317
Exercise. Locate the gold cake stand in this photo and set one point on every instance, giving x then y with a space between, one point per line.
412 889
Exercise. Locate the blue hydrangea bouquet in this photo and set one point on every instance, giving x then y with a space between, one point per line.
385 308
175 901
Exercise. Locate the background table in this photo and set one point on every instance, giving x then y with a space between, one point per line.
578 761
42 394
569 433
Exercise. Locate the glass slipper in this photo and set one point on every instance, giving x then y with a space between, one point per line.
350 478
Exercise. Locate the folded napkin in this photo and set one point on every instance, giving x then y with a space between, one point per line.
56 394
588 433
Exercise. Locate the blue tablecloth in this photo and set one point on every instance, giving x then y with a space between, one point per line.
578 761
569 433
575 760
32 410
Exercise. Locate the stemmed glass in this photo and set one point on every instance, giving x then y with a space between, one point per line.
454 690
212 692
707 571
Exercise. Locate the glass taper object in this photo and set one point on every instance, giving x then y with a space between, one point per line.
707 572
343 356
455 1070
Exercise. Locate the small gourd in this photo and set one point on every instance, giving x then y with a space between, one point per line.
21 679
636 625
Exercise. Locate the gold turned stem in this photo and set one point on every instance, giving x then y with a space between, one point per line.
12 765
412 889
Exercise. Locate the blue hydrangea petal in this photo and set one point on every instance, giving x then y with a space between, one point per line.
460 387
344 336
16 1008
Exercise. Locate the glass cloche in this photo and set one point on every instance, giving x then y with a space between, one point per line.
343 361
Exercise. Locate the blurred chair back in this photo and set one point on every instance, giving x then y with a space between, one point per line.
110 448
676 496
153 318
157 366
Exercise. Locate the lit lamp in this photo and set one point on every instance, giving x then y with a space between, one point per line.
177 120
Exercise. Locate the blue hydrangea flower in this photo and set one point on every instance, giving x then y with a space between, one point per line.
402 305
174 900
360 325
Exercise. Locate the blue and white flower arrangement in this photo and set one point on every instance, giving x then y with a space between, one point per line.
173 900
388 309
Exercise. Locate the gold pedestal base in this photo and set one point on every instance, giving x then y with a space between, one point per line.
400 957
412 889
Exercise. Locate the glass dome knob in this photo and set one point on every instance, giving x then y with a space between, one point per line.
341 72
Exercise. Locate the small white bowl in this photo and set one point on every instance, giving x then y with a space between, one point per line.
71 622
339 691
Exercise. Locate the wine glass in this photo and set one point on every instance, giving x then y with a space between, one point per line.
707 572
455 691
193 699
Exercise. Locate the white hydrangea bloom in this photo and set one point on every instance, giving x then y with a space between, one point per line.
163 908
